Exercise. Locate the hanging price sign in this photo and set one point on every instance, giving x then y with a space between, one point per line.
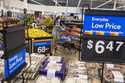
103 36
103 50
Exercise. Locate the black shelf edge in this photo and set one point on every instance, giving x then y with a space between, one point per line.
10 53
40 38
15 28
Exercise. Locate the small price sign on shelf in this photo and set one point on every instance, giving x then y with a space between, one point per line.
103 50
42 47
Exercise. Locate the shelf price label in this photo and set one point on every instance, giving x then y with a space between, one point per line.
103 50
42 47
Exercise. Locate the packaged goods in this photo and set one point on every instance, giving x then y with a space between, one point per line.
113 76
53 70
114 73
53 66
77 72
36 33
36 60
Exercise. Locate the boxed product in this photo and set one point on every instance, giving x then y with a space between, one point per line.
53 59
111 76
53 66
36 60
77 72
114 73
53 70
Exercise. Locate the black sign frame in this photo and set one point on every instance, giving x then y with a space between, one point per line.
100 58
107 38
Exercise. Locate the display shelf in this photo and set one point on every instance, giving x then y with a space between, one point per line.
13 42
41 38
31 72
13 39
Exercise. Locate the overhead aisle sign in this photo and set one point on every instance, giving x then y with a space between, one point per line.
103 36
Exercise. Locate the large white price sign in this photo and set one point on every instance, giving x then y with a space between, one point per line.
103 50
103 36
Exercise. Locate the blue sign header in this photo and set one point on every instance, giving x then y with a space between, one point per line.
106 25
44 43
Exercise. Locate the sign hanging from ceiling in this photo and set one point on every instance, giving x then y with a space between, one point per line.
103 36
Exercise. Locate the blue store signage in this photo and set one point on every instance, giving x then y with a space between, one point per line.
105 24
42 47
104 36
43 43
12 64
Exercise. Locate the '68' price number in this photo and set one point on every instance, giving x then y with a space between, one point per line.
100 46
42 49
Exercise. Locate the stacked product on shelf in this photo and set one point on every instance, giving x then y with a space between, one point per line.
40 41
94 71
36 33
72 33
114 73
71 36
33 65
53 66
77 72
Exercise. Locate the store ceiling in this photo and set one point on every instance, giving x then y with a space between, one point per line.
78 3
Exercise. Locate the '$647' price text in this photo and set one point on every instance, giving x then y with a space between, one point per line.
100 46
